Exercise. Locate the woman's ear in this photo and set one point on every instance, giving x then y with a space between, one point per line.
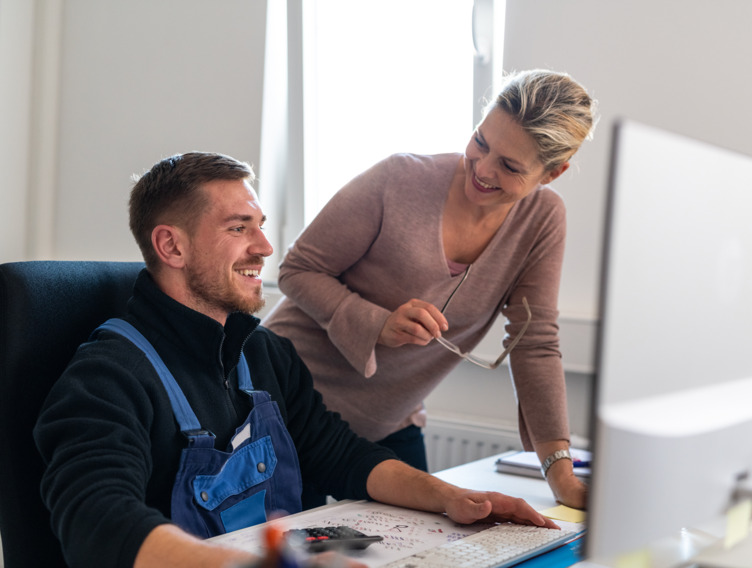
170 244
556 172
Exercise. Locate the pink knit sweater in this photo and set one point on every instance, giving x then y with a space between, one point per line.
376 245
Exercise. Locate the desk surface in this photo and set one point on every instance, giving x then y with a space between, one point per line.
481 475
406 531
673 551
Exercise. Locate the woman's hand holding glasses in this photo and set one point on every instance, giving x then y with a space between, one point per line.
414 322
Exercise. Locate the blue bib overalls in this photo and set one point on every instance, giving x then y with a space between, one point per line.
220 491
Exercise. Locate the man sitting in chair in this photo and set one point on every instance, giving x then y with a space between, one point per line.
186 419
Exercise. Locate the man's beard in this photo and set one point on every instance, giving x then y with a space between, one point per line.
222 295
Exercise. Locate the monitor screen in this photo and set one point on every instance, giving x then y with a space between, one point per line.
672 408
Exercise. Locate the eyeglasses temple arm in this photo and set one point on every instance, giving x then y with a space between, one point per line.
516 340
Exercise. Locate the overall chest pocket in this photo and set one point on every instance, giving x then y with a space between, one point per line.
245 469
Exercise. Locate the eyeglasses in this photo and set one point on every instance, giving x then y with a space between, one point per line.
469 356
482 362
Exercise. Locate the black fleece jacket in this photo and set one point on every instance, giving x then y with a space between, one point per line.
111 443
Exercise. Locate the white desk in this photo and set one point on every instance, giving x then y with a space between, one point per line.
479 475
699 544
669 552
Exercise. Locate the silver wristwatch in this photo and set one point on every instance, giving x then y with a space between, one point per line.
553 458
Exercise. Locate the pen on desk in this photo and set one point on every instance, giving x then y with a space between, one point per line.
279 554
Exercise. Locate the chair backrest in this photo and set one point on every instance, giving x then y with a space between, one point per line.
47 308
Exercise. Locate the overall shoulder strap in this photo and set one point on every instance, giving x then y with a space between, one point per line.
189 424
244 375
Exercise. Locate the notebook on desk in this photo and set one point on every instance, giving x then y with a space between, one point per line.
528 464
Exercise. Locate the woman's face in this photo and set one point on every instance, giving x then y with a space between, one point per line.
501 162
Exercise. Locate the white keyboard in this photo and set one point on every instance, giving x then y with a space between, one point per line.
496 547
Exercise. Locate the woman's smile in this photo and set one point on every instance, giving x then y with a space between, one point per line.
482 186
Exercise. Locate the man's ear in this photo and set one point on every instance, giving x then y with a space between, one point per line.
170 243
556 172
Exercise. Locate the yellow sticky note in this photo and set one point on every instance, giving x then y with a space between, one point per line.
564 513
738 522
636 559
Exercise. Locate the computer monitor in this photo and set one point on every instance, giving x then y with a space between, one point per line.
672 406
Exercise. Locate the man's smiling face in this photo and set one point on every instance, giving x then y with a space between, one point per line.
226 252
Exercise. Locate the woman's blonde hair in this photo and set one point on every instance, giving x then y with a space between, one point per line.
551 107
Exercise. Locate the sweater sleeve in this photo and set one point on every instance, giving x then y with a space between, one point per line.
535 363
93 435
310 274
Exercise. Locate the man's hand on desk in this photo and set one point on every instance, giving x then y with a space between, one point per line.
471 506
396 483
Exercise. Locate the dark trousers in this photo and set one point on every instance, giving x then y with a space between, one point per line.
407 443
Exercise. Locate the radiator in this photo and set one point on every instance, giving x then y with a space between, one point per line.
452 442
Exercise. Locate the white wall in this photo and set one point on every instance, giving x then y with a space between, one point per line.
676 64
16 37
99 90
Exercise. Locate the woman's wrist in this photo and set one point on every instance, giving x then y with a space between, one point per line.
553 458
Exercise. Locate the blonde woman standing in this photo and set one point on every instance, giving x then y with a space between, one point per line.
406 268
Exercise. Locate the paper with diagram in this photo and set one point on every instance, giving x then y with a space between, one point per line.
405 531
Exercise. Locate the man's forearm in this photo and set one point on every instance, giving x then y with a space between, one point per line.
167 546
395 483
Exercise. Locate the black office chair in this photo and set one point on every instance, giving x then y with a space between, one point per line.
47 308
